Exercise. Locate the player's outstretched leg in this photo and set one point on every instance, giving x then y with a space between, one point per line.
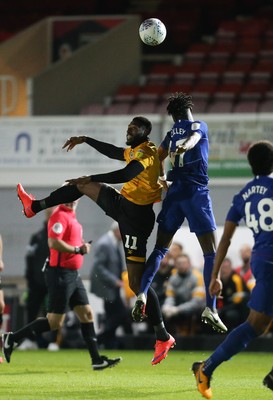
268 380
162 349
202 380
7 345
105 362
138 311
211 317
26 200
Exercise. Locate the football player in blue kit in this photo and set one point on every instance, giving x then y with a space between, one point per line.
253 204
187 146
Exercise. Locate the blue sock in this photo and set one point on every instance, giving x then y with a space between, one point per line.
152 265
208 265
236 341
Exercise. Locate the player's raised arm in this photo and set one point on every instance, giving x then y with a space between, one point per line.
107 149
162 154
131 170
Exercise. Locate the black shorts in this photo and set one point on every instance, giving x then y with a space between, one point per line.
135 222
65 290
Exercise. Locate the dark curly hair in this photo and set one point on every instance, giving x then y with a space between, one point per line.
179 103
260 157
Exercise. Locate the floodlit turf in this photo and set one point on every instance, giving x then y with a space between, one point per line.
43 375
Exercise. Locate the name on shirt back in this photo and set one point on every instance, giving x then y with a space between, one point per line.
256 189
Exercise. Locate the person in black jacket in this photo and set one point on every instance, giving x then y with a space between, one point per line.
107 283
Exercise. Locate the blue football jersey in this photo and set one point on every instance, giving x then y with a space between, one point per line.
254 204
191 166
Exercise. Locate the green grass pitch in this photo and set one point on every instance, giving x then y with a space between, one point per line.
43 375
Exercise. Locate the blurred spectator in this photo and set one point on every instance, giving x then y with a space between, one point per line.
162 276
106 282
65 51
165 270
244 269
233 308
185 295
128 294
175 249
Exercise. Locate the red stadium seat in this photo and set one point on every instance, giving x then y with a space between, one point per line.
143 107
266 106
221 106
118 108
245 106
127 93
93 109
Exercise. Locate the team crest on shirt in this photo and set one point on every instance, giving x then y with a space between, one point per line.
57 228
132 154
140 153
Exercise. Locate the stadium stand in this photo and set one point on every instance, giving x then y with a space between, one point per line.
221 52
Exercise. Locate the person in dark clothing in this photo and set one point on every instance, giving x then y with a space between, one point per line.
233 308
107 283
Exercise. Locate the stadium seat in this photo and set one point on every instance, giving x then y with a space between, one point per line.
241 65
228 91
233 78
265 55
254 90
151 92
204 90
259 77
227 31
126 93
143 107
177 87
118 108
186 77
264 65
219 66
199 105
266 106
93 109
209 77
245 106
160 73
221 106
220 54
253 27
197 52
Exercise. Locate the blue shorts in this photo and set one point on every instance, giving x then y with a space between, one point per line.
261 298
190 202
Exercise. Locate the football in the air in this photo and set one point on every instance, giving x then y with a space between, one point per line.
152 31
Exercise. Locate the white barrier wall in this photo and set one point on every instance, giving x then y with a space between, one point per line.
31 147
31 153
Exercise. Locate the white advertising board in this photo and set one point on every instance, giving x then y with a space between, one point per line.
31 148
